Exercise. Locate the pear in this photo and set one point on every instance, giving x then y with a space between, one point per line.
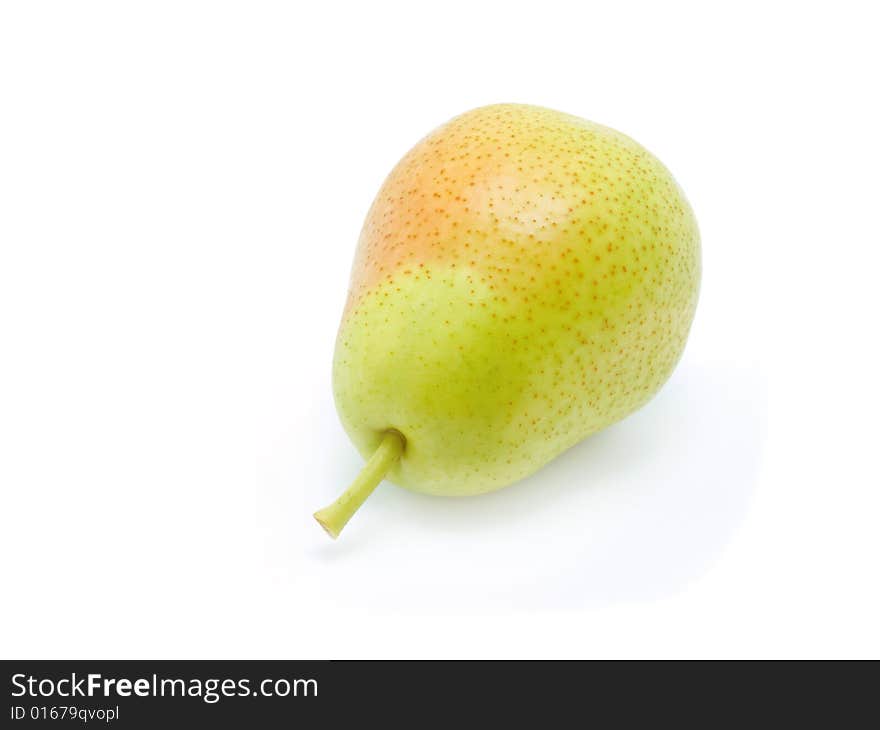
524 278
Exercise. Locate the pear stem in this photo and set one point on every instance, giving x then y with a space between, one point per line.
335 516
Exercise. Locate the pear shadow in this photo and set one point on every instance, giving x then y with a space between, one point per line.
637 511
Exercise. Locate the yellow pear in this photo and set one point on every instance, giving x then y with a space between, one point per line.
523 279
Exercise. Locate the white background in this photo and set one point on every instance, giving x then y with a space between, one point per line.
181 188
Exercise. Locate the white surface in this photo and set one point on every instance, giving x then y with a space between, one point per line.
181 189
